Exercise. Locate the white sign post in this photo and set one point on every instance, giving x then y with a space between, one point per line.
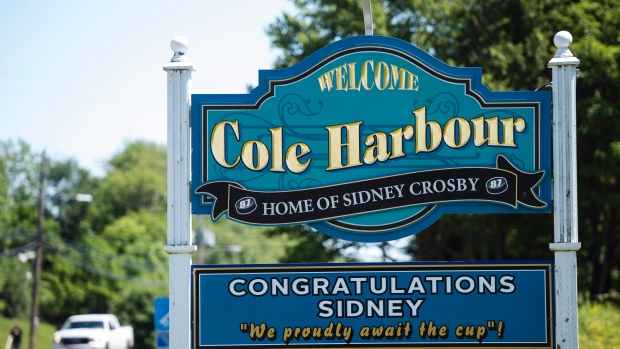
179 245
566 240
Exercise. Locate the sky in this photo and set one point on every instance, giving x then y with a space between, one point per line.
81 79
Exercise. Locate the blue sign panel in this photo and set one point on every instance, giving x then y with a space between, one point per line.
161 314
370 139
162 339
499 304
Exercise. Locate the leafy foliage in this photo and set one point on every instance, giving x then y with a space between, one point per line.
513 41
136 180
106 255
310 246
137 309
14 291
19 178
597 322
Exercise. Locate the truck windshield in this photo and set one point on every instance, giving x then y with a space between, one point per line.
84 324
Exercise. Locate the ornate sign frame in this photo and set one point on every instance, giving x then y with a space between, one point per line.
370 139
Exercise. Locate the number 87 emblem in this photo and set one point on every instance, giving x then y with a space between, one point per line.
497 185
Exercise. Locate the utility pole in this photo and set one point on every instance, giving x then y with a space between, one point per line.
34 314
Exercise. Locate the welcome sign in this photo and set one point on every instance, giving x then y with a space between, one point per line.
370 139
422 305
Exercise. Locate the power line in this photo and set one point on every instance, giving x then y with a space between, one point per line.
65 248
126 261
16 233
111 275
15 251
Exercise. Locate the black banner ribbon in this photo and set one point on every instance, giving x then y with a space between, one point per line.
504 184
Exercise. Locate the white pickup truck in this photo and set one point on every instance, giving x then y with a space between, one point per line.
93 331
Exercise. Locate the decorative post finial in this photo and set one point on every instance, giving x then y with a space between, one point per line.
562 40
179 45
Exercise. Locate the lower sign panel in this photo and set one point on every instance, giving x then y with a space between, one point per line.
422 305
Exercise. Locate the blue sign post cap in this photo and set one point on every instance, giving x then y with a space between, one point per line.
370 139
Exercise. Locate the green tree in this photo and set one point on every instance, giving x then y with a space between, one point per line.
97 256
512 41
15 289
236 243
136 309
66 180
135 180
120 257
311 245
18 182
113 260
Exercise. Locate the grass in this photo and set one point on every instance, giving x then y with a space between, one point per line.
599 325
44 333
